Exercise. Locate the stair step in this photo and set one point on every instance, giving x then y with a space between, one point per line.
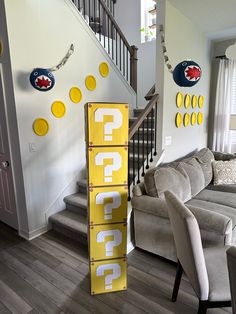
82 185
77 203
70 224
133 119
137 112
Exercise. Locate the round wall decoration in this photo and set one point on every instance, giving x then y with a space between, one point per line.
104 69
1 48
42 79
179 100
187 101
75 95
199 118
90 82
186 119
40 126
58 109
194 101
200 101
178 119
187 73
193 118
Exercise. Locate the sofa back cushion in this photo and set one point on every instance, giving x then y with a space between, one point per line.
174 179
205 158
195 174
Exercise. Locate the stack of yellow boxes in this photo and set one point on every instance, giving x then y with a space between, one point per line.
107 156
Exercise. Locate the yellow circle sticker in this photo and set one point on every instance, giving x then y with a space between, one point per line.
193 118
1 48
179 100
187 101
199 118
194 101
58 109
90 82
40 127
186 119
75 95
104 69
200 101
178 119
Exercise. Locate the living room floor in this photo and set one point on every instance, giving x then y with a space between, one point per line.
50 274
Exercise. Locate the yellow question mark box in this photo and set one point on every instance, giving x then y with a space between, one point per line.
107 124
108 205
108 166
108 276
108 241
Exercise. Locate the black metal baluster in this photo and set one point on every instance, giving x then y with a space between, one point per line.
143 159
108 33
133 160
116 49
94 16
113 8
127 64
123 59
104 33
152 129
138 181
155 127
84 9
147 166
112 38
99 18
120 53
89 9
79 5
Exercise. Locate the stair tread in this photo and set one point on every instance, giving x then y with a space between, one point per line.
77 199
71 220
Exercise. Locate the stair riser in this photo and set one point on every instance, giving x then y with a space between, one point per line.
146 123
80 237
76 209
137 112
82 189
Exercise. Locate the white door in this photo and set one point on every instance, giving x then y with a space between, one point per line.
8 212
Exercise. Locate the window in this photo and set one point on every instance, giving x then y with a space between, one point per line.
148 20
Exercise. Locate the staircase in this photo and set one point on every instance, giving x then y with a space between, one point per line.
72 221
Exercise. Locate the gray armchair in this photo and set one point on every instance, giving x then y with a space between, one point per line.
231 259
206 270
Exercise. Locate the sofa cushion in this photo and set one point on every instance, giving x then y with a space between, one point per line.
195 174
205 158
214 207
160 179
231 188
224 172
223 156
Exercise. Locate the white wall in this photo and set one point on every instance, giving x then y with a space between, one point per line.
184 41
40 32
128 17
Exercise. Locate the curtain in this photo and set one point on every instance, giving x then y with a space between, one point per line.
223 105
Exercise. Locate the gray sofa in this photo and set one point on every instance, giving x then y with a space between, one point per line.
190 178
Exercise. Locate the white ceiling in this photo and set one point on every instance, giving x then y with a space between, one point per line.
216 18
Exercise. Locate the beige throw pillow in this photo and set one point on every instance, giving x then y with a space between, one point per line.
224 172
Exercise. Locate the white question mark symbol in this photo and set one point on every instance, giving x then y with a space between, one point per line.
116 165
100 198
116 272
117 234
109 126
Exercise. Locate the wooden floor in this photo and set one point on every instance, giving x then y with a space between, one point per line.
50 275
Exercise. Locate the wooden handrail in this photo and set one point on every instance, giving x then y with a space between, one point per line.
150 93
134 127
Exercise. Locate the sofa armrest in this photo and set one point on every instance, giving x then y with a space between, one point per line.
150 205
212 221
223 156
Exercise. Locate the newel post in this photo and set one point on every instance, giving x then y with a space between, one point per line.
133 67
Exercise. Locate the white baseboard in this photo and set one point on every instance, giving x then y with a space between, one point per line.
30 235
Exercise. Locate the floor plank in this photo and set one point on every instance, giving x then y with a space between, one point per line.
50 275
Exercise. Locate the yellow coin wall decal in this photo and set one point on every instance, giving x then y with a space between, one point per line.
178 119
200 101
186 119
194 101
75 95
187 101
199 118
104 69
193 118
90 82
40 127
1 48
58 109
179 100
